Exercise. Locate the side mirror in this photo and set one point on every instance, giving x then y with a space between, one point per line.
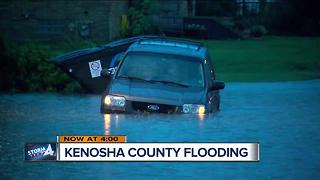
107 73
217 85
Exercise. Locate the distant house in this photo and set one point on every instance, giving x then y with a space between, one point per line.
251 6
171 14
88 19
50 20
100 19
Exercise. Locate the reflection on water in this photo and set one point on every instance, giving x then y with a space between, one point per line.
282 117
112 121
107 118
201 117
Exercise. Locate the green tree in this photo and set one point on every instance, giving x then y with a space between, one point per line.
139 16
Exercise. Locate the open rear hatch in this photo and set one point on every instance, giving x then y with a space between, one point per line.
85 65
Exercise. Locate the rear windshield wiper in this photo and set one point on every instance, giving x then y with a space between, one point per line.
170 82
135 78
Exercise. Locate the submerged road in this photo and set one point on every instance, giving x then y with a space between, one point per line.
283 117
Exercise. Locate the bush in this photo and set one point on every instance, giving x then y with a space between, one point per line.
124 26
258 31
8 68
28 67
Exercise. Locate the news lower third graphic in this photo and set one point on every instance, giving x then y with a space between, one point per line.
41 152
115 148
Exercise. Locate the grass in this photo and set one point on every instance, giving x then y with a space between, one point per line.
270 58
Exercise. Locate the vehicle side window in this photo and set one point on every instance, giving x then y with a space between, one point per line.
116 59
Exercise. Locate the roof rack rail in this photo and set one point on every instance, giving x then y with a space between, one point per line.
196 44
141 38
127 40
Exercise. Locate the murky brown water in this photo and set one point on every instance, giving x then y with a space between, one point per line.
283 117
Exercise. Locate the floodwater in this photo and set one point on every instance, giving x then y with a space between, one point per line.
283 117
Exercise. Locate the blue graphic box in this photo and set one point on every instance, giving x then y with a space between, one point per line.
40 152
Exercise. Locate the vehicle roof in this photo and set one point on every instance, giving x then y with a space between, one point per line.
170 46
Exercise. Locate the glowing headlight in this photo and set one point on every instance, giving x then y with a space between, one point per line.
193 108
110 100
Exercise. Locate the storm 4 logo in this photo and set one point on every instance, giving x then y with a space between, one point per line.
39 152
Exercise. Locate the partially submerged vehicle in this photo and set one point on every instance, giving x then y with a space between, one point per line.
148 74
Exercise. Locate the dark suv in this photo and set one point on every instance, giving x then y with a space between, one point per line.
162 75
